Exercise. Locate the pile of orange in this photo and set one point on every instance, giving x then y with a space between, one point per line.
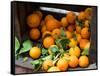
77 30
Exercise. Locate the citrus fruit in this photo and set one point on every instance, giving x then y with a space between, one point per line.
78 36
71 28
87 23
49 16
85 33
34 34
52 24
64 22
33 20
62 64
43 29
83 61
56 33
83 43
71 17
68 34
88 13
46 33
78 29
75 51
39 13
47 64
81 16
35 52
48 41
73 62
72 42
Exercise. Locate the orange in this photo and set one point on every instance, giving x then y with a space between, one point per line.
44 28
48 41
47 64
75 51
81 16
72 42
35 52
56 32
33 20
53 69
85 33
71 28
87 45
78 36
64 22
78 29
52 24
66 55
71 17
73 62
83 43
68 34
87 23
83 61
39 13
42 23
46 33
62 64
48 17
88 13
34 34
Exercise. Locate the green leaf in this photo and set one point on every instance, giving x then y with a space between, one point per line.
54 49
64 42
85 51
57 41
17 56
44 52
79 23
26 46
17 44
63 32
49 57
36 64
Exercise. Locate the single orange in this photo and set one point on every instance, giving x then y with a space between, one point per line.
71 17
83 43
83 61
56 32
35 52
88 13
64 22
62 64
52 24
81 16
43 29
75 51
68 34
73 62
33 20
48 41
34 34
48 17
85 33
71 28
